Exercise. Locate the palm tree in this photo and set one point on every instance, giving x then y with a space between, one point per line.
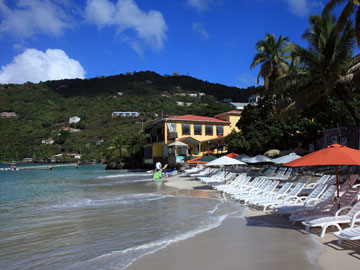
118 145
272 55
324 66
352 6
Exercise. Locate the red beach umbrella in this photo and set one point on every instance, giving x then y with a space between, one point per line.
335 154
232 155
194 160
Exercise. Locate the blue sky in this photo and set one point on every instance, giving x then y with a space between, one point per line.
213 40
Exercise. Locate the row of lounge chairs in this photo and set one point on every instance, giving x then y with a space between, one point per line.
319 208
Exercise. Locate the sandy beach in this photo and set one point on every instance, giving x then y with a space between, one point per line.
253 240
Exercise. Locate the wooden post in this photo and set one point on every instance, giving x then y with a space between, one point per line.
337 188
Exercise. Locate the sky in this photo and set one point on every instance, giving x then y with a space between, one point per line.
212 40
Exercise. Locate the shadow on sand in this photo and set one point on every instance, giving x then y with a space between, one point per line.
273 220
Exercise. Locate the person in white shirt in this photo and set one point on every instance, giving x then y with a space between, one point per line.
158 166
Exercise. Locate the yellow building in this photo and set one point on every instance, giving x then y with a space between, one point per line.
203 135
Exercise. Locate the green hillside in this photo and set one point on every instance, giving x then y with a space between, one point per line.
43 109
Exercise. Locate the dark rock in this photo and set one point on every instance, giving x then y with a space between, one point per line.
115 164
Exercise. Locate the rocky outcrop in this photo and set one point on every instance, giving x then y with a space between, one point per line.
115 164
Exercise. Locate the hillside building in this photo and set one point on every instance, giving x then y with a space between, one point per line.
125 114
74 120
47 141
202 135
8 114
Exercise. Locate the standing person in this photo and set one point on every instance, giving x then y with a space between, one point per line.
158 166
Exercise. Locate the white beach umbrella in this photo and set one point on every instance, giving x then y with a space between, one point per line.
258 159
224 161
178 144
285 159
242 157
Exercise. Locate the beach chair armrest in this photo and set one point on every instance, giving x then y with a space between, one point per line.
300 199
355 186
279 197
268 194
354 219
338 212
290 198
311 202
311 185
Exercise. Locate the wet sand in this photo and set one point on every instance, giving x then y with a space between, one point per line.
256 241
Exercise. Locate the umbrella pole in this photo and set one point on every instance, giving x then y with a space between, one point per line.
337 188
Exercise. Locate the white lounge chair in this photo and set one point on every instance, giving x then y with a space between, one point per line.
350 218
352 233
216 175
269 203
350 181
321 180
237 186
325 179
323 210
310 203
266 171
280 173
290 202
252 191
206 172
194 170
238 181
221 180
259 194
272 195
286 175
253 185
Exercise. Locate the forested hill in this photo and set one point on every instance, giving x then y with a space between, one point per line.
148 83
43 110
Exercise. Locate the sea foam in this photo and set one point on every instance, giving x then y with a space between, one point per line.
122 259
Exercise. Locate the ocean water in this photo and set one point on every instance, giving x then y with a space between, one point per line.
89 218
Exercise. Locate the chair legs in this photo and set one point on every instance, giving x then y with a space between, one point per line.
328 225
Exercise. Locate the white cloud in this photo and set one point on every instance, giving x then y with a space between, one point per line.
200 5
31 17
149 27
303 8
298 7
35 66
199 28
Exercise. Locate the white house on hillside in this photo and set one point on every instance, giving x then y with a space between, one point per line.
238 105
125 114
74 119
254 99
47 141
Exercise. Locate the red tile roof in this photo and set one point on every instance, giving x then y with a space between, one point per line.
189 117
229 112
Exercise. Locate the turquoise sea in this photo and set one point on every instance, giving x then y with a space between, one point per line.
89 218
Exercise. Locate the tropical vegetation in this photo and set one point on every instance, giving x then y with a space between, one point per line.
317 88
43 112
352 7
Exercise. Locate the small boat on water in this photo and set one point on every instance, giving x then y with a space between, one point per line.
9 169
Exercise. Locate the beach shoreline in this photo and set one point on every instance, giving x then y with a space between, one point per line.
227 243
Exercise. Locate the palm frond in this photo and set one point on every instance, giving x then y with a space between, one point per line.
314 73
332 4
344 17
357 25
